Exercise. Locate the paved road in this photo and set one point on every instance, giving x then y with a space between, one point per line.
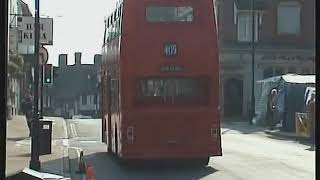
19 147
248 154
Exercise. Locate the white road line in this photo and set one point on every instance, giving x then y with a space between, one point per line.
73 130
65 129
65 142
78 152
88 142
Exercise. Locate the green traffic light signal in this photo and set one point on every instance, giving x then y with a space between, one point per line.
47 74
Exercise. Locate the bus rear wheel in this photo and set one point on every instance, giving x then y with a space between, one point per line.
201 161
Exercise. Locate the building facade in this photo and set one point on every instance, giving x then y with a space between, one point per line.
284 33
15 61
75 88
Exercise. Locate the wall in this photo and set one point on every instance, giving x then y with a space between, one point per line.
235 57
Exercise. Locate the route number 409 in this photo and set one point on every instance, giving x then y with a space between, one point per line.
170 49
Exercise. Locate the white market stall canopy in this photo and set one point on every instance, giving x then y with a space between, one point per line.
292 78
300 79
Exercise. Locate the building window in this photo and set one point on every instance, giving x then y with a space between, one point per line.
84 100
273 71
268 72
278 71
48 101
245 27
95 100
292 70
169 87
305 71
289 18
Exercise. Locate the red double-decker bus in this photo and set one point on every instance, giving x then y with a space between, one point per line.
160 76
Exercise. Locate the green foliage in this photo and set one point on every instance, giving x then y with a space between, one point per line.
16 66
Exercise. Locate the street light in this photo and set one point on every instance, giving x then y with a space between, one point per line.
35 162
252 63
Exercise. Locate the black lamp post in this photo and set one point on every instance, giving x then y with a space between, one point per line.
252 63
35 162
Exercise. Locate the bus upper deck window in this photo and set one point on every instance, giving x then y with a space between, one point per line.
169 14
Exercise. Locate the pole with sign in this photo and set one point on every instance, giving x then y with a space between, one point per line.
43 58
252 63
35 161
27 27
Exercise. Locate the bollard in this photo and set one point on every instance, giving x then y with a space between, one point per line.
82 164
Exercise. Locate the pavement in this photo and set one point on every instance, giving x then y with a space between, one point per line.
19 148
276 132
290 135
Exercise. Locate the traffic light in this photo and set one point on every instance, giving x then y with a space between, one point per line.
47 74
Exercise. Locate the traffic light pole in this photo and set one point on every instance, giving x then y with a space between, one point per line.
41 90
35 162
253 63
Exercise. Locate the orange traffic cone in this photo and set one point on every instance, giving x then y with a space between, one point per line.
89 173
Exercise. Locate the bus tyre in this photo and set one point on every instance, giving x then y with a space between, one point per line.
109 150
202 161
116 142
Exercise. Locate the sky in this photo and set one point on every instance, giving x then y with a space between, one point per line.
78 26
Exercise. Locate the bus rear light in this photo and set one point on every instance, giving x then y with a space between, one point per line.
130 134
214 133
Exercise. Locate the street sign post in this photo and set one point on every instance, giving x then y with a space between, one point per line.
43 55
35 160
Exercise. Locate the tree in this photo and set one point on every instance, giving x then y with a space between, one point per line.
15 66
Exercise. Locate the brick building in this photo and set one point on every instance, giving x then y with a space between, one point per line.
284 43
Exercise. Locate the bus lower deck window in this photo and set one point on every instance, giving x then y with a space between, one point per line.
169 87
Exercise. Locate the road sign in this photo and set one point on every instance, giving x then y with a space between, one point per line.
44 56
26 30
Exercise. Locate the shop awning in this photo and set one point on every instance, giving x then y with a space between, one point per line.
292 78
299 79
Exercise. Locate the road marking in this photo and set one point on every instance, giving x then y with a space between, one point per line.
88 141
65 129
65 142
73 130
28 142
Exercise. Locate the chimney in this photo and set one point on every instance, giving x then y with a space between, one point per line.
63 60
97 59
77 56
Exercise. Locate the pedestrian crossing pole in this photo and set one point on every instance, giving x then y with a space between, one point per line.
35 162
253 62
